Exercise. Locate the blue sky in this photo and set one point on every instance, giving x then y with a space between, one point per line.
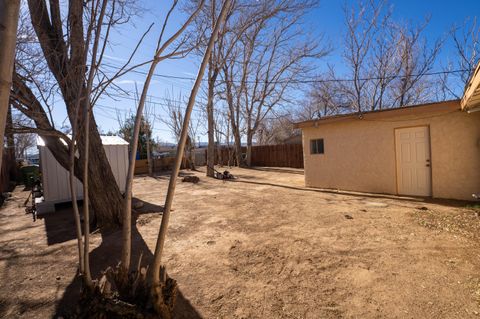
327 19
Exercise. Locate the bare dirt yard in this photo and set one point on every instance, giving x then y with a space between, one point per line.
264 246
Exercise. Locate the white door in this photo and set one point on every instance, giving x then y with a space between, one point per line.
413 161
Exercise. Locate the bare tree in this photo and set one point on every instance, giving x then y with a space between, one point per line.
234 111
222 128
223 136
361 30
174 110
174 121
23 142
147 124
271 56
226 41
73 195
242 16
156 265
327 97
276 130
214 65
97 12
19 143
381 64
61 37
166 49
149 116
466 40
9 11
388 64
416 59
387 61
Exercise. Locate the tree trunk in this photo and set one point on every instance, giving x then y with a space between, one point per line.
127 203
192 158
211 87
157 258
211 123
66 65
106 199
9 10
9 134
149 157
228 143
249 150
86 159
73 195
238 149
219 153
229 156
86 202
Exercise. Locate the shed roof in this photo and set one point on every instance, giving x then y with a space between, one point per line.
471 96
414 111
106 140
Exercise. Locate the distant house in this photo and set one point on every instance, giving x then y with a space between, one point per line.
428 150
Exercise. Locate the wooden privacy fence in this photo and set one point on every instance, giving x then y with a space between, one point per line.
225 156
282 155
159 164
7 172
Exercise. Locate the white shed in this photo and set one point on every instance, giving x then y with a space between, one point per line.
55 179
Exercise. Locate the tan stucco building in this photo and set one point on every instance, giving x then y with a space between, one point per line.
423 150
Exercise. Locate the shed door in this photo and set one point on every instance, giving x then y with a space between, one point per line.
413 161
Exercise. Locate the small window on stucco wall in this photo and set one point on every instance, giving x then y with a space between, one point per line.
316 146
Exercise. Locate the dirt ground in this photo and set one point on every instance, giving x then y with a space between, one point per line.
264 246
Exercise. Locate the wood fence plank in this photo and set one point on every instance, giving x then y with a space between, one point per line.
282 155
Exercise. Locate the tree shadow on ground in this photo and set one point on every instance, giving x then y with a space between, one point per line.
108 254
142 207
60 224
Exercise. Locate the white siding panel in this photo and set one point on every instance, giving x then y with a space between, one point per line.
122 160
55 178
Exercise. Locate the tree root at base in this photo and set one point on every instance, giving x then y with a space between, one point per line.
116 295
